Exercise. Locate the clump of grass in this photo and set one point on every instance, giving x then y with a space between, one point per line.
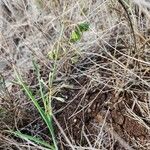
46 112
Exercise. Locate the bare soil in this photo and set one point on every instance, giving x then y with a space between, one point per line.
94 107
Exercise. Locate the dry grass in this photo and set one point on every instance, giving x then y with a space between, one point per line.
104 60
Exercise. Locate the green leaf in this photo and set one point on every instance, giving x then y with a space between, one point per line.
83 26
75 36
79 29
31 138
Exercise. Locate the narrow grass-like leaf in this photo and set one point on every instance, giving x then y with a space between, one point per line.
46 117
33 139
40 83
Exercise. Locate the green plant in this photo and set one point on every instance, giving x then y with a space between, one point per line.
46 112
79 29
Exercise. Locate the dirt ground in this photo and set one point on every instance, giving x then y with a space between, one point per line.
100 106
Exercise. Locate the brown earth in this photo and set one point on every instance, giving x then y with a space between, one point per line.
87 110
92 106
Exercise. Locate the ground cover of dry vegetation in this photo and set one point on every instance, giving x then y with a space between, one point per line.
74 75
